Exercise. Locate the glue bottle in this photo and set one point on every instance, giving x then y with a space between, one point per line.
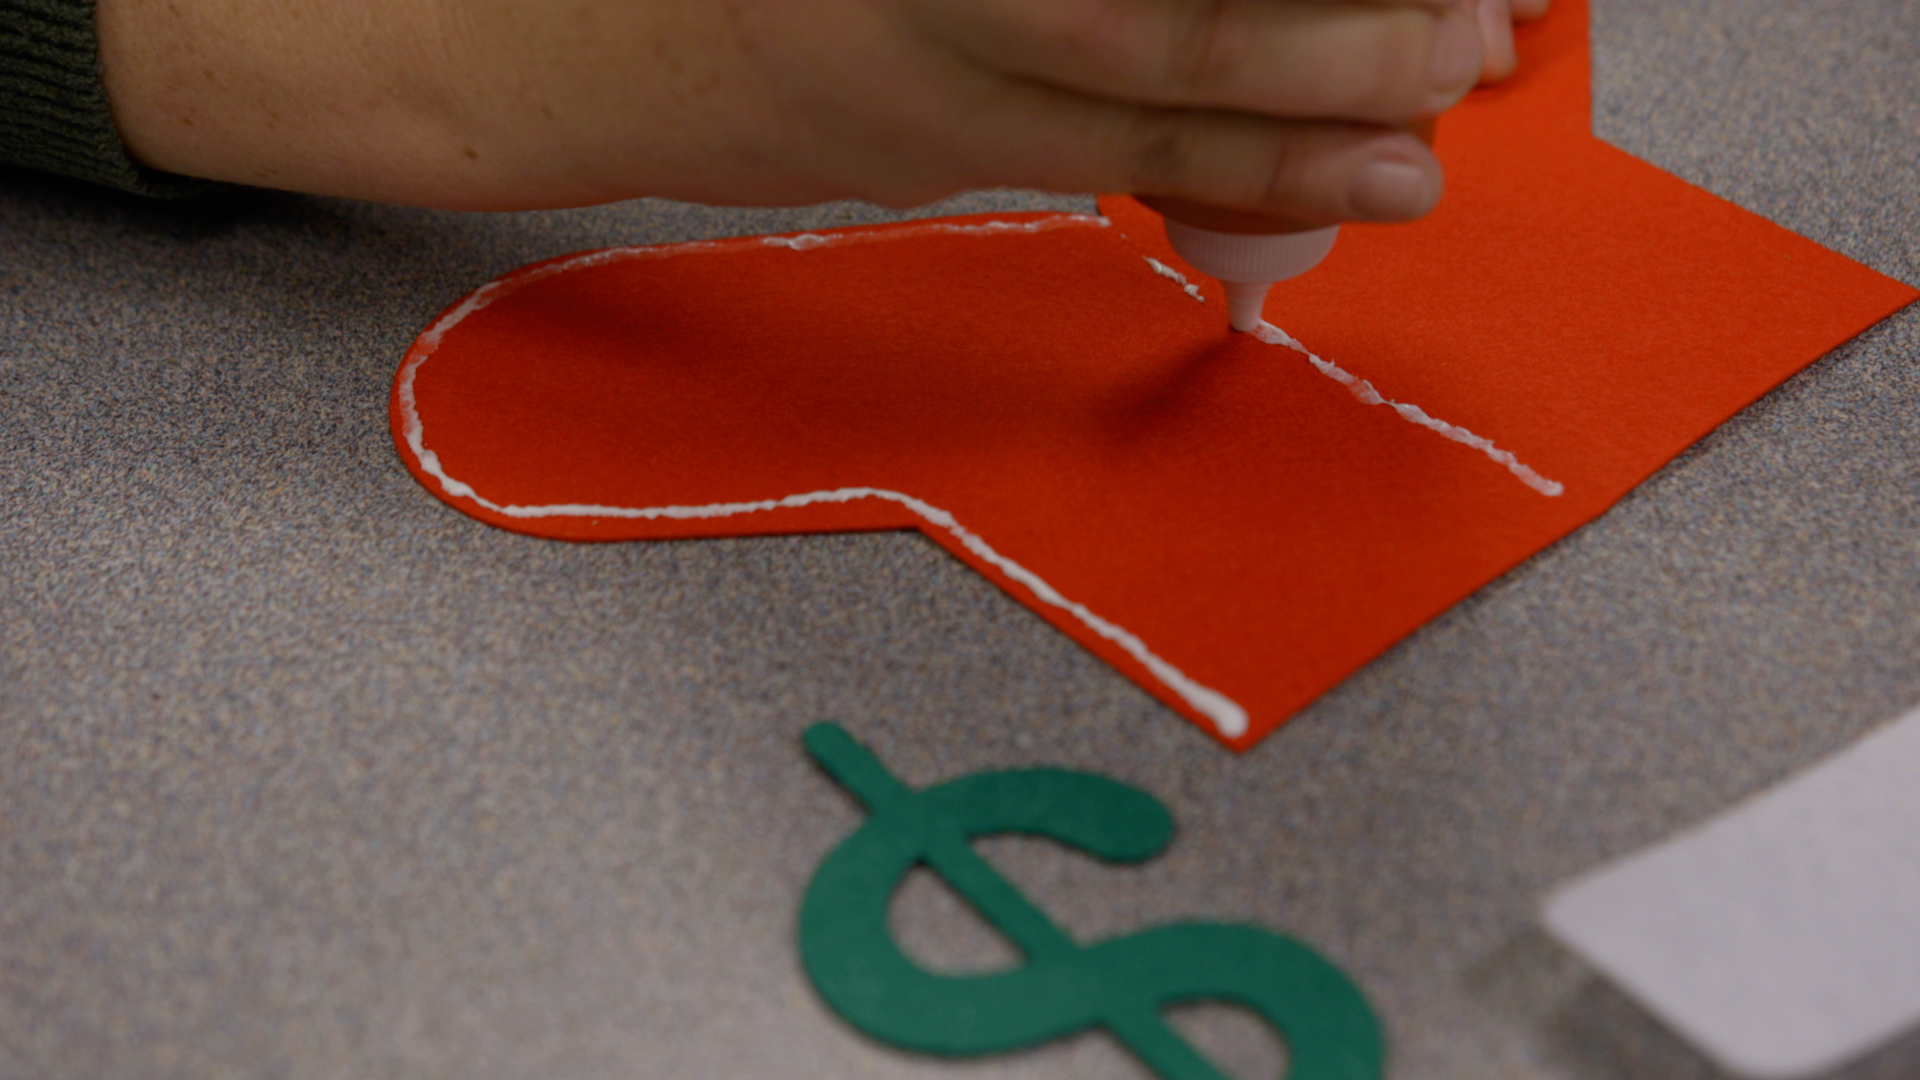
1248 253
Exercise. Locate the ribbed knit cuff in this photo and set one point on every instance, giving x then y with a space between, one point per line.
53 113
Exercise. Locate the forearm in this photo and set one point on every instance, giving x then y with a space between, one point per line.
307 95
1278 106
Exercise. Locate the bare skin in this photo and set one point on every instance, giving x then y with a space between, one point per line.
1285 107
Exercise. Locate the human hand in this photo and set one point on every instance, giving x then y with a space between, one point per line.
1282 106
1496 18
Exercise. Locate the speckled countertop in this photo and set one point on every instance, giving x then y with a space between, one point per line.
304 775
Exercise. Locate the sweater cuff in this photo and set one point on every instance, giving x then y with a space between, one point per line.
53 112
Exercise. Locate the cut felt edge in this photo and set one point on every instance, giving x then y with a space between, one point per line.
403 411
833 511
845 509
1140 229
841 509
1872 296
816 511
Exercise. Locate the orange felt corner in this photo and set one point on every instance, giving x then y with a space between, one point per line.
1231 523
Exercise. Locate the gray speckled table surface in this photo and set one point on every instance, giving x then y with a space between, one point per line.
304 775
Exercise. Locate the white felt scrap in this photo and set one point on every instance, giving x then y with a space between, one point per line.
1782 938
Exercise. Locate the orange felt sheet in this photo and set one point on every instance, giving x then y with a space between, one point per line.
1223 521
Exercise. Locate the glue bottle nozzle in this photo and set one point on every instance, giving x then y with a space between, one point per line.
1247 264
1246 304
1249 251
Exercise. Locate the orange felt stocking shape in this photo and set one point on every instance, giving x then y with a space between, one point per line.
1231 521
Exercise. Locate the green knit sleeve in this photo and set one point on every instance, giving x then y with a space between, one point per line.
53 113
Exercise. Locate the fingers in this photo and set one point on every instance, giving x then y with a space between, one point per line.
1496 19
1307 170
1496 36
1373 62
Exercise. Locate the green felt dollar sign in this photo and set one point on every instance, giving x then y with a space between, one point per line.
1121 984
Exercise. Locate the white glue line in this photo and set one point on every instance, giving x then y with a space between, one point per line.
1781 938
1364 390
811 241
1226 715
1176 277
493 290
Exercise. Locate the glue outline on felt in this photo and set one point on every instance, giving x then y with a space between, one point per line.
1364 390
1226 715
811 241
1413 414
1176 277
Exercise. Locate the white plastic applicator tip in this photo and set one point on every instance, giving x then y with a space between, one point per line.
1247 264
1246 304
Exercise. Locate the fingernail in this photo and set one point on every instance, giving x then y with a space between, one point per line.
1456 57
1391 191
